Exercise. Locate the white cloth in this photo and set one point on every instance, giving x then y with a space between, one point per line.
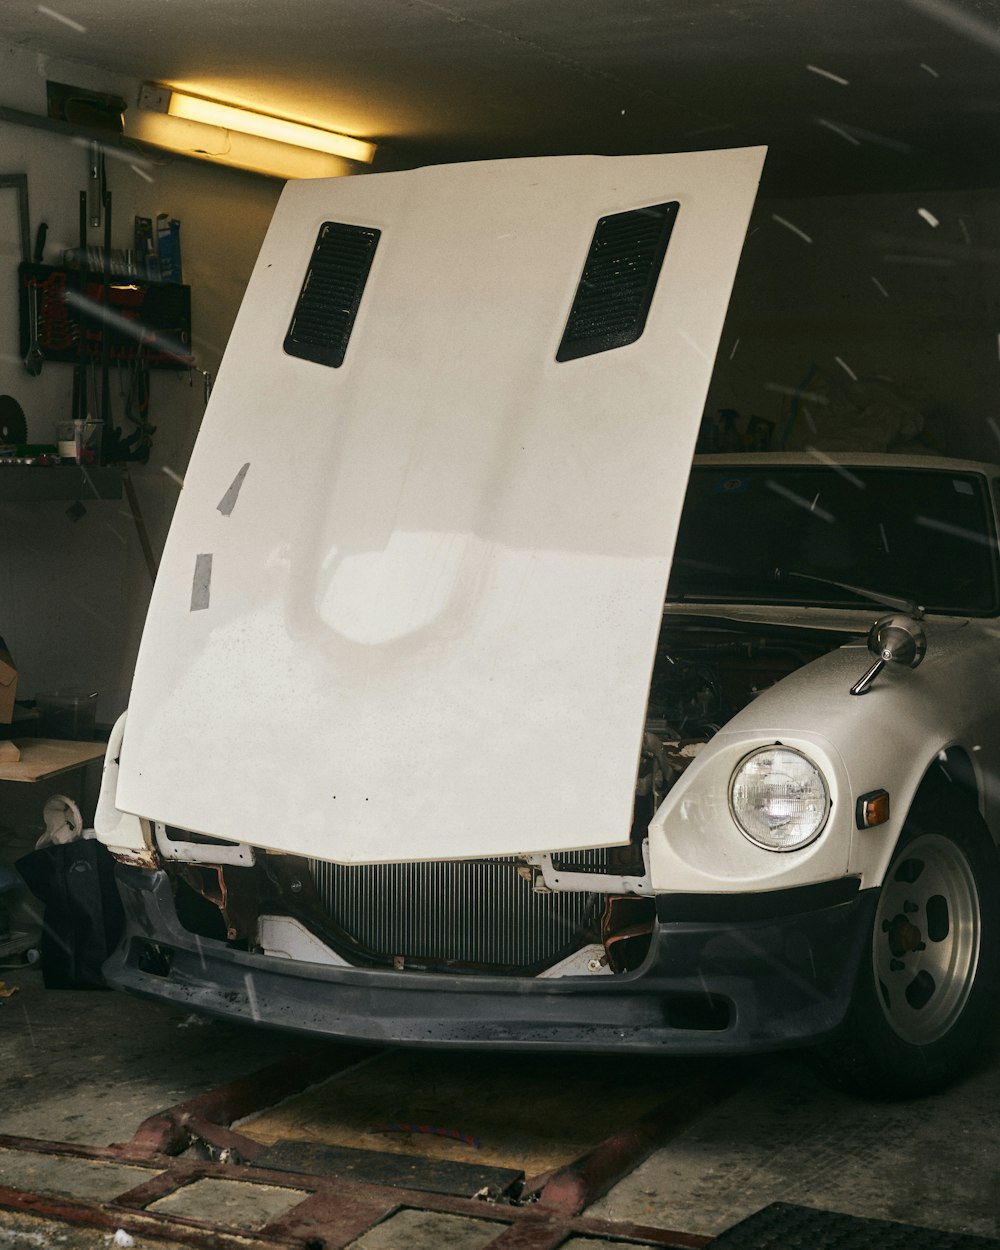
63 822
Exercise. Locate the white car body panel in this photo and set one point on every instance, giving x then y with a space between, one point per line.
886 739
435 572
125 835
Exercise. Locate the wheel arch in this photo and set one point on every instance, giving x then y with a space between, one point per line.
951 772
952 769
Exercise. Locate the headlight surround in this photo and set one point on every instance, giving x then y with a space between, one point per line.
779 799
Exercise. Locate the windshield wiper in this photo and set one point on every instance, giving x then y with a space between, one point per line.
873 596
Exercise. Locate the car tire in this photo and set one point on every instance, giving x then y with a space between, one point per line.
925 994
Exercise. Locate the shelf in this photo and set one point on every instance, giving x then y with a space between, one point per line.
47 757
35 482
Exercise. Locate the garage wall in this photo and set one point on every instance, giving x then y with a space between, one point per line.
832 293
73 594
869 286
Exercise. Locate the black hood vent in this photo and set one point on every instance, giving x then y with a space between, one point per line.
331 293
619 278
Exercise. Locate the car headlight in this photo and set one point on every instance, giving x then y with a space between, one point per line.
779 799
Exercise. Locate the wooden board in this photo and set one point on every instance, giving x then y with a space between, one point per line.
530 1112
45 757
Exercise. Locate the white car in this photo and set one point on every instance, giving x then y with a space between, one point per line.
415 753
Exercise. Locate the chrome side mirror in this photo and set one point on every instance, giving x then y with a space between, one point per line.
892 640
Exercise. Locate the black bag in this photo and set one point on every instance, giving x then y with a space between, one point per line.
83 912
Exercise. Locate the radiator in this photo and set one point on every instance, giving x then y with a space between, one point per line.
478 912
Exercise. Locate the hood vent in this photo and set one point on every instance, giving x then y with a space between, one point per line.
331 293
619 278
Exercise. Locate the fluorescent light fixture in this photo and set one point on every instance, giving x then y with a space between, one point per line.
232 149
227 116
226 135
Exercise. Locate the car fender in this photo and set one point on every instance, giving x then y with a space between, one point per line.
888 739
128 838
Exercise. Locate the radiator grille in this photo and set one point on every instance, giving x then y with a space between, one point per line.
471 911
331 293
619 278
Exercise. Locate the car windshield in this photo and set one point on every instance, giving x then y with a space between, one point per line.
925 535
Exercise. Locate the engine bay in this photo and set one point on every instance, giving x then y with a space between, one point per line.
706 670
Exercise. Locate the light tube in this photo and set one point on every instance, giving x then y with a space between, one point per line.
228 116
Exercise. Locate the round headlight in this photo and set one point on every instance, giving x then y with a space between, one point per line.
779 799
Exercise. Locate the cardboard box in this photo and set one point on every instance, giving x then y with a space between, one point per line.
8 684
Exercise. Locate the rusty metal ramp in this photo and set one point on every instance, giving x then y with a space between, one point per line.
527 1113
286 1158
348 1147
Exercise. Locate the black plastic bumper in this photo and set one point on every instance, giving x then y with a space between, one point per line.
709 986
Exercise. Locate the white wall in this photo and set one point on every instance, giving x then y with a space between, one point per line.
73 595
799 304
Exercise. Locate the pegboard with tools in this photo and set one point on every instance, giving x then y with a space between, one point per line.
145 320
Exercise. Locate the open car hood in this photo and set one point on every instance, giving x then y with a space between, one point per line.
409 602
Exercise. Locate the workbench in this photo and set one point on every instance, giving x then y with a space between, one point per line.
47 757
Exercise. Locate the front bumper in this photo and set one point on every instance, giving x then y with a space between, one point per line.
723 985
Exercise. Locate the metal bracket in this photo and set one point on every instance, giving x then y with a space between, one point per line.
593 882
19 183
238 854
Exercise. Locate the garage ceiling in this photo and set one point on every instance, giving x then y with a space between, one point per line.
851 95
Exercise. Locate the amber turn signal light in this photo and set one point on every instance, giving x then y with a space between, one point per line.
872 809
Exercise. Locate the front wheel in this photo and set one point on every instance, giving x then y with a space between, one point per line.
925 992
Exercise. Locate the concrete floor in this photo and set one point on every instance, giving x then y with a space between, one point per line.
89 1067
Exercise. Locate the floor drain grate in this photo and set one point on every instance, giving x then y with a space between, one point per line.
784 1226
